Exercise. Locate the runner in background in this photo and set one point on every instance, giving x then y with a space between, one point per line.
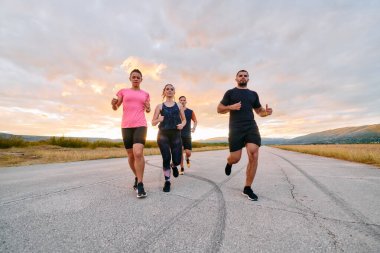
186 133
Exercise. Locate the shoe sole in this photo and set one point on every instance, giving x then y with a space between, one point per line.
249 197
142 196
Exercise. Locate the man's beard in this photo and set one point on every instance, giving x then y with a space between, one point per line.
242 85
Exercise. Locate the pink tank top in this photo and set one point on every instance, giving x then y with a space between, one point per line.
133 107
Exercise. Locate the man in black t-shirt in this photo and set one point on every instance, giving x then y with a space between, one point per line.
244 132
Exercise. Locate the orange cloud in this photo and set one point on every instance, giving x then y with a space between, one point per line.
79 82
150 69
66 93
97 88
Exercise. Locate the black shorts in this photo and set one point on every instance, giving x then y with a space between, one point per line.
238 138
186 143
133 135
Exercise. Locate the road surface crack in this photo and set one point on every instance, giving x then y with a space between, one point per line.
310 211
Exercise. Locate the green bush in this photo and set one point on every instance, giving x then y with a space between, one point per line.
151 144
201 145
68 142
13 141
106 144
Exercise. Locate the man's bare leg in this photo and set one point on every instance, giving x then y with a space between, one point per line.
182 168
188 154
233 158
253 156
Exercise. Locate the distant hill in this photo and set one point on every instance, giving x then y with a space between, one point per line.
273 141
346 135
265 141
214 140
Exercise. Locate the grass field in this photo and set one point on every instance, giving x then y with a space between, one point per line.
361 153
17 156
15 151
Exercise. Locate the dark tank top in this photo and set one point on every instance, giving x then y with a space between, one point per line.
171 117
186 130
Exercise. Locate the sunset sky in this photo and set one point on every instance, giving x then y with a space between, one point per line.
316 63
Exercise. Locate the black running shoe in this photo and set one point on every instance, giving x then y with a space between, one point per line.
227 170
175 171
140 190
166 186
188 162
135 185
182 171
249 193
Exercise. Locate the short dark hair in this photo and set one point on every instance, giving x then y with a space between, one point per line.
137 71
242 70
182 97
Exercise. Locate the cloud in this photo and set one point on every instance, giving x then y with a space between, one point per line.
316 63
149 69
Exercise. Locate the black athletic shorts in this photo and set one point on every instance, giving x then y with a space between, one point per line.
133 135
238 138
186 143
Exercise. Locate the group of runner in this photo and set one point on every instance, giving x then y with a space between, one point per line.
174 124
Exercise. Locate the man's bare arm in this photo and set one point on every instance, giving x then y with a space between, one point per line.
195 122
227 108
263 112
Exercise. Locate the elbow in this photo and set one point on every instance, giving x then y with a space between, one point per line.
219 109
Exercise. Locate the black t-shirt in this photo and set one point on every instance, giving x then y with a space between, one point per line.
244 117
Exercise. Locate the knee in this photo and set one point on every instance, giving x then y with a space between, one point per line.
233 160
138 154
188 153
253 156
130 154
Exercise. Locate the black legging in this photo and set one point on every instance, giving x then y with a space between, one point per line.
170 144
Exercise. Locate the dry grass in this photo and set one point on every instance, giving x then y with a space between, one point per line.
53 154
362 153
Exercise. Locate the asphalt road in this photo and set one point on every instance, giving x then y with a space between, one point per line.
306 204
